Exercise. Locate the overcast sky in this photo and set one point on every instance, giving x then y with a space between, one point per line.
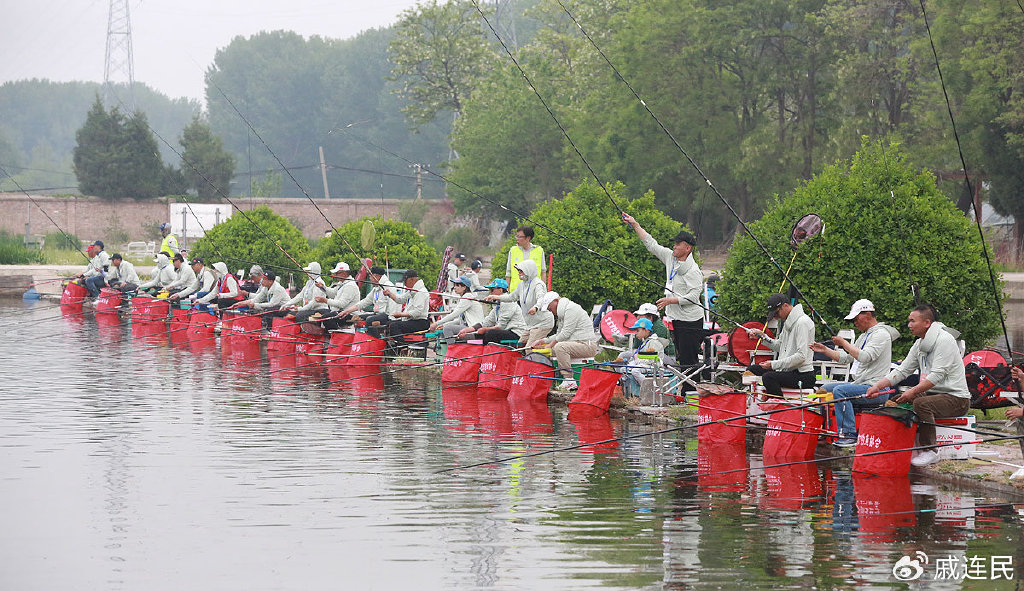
173 41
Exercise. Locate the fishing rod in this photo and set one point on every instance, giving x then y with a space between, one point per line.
729 423
697 168
967 178
40 208
648 434
552 231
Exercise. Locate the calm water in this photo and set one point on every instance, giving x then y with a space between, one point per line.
134 461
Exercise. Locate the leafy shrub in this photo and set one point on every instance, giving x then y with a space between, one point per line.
239 243
874 245
59 241
396 244
588 217
13 251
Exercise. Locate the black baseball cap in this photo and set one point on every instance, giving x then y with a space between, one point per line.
775 300
684 236
461 255
378 271
269 275
196 261
98 243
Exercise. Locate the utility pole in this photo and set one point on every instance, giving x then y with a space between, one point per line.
419 180
119 65
323 173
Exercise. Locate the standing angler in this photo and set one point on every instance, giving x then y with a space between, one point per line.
170 242
683 286
524 250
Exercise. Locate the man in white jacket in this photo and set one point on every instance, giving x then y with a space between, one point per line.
122 275
505 321
575 336
792 367
942 391
163 275
339 298
684 285
870 356
466 312
415 302
528 293
184 274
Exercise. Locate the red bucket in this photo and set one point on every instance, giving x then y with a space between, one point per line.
791 487
741 344
201 324
146 330
310 344
73 294
722 407
180 317
722 466
241 327
149 309
780 441
109 301
497 364
879 431
531 380
339 347
284 334
884 503
366 350
531 417
461 363
242 352
363 380
595 390
495 414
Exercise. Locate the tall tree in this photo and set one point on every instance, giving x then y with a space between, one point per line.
207 167
440 52
117 157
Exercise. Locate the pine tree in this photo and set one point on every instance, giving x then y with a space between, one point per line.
117 157
206 165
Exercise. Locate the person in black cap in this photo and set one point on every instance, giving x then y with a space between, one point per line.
792 367
474 276
415 303
376 301
684 284
454 269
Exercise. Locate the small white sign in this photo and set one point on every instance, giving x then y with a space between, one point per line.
192 220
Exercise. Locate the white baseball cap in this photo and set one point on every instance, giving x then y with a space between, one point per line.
647 308
313 268
545 301
341 266
858 307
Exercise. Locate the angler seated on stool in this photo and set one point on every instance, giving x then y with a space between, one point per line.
376 302
793 367
870 356
638 363
268 300
415 303
505 322
575 336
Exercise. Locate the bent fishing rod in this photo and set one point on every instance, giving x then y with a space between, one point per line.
640 435
696 167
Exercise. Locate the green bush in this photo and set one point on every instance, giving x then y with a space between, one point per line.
58 241
396 244
874 244
588 217
239 243
13 251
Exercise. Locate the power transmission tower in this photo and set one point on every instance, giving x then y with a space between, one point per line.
119 67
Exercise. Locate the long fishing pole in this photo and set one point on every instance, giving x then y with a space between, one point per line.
697 168
967 179
648 434
539 224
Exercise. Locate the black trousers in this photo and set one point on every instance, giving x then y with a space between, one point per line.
333 321
774 381
687 336
497 335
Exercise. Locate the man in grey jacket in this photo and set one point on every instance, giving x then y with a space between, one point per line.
942 391
575 336
870 357
792 366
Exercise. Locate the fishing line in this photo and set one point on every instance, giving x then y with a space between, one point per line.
915 289
967 178
556 233
529 83
40 208
697 168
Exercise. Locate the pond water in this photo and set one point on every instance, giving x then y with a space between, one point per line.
132 459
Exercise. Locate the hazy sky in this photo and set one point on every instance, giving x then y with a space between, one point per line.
173 41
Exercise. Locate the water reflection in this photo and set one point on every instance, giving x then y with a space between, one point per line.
145 461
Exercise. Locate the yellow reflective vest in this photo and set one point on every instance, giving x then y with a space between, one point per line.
170 244
516 255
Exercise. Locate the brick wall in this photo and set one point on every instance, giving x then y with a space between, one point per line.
91 218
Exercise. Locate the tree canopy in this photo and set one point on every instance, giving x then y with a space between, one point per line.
240 243
887 226
396 245
206 166
117 156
